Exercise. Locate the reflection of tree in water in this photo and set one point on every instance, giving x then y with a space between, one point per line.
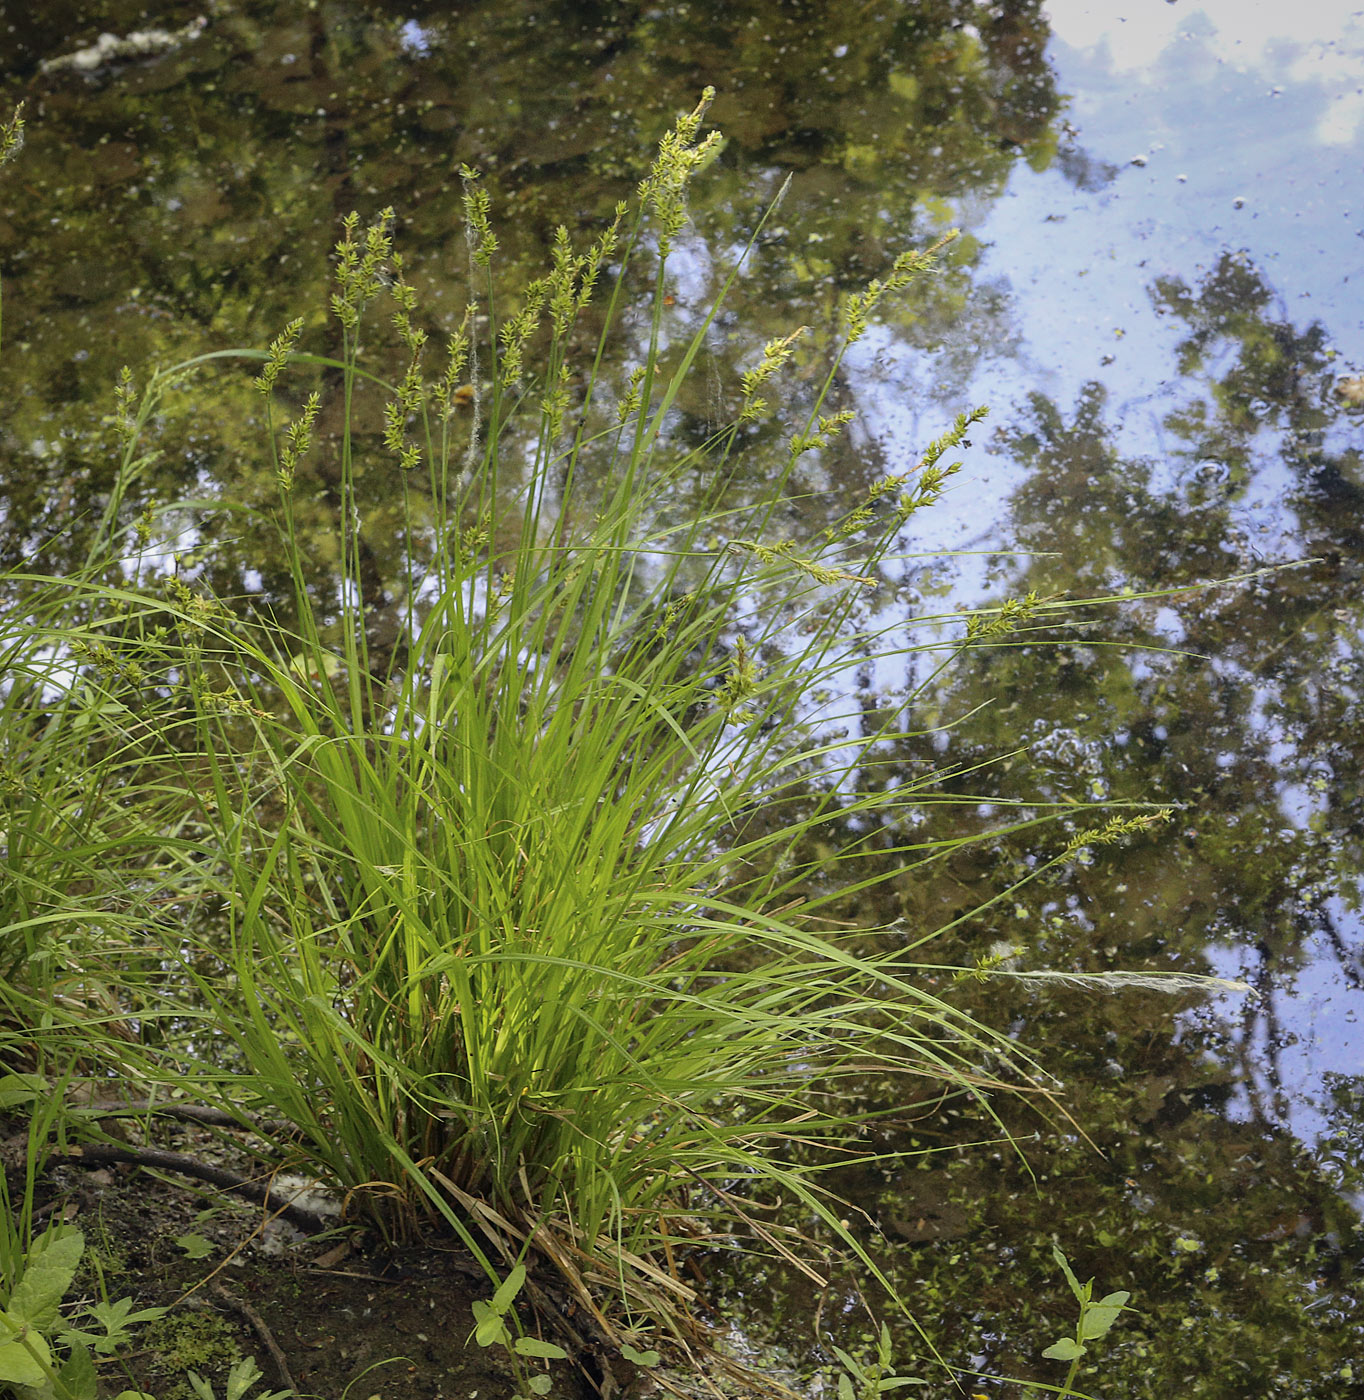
1237 1239
188 199
1249 720
1269 403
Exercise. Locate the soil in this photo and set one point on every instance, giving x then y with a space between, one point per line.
330 1315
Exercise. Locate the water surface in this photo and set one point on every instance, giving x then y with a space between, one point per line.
1157 294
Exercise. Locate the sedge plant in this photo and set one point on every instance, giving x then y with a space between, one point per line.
493 945
497 935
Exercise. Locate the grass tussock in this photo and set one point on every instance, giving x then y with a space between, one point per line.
483 914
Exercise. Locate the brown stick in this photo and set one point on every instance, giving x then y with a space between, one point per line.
188 1113
261 1193
239 1305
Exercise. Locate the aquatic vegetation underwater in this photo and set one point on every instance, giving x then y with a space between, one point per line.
496 896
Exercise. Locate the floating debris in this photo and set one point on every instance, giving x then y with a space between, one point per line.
1351 391
141 43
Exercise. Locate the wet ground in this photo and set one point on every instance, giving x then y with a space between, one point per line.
324 1309
325 1315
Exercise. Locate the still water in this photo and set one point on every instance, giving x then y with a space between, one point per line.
1157 292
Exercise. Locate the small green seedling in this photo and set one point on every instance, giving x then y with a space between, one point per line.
1094 1321
491 1330
243 1375
865 1380
116 1318
195 1246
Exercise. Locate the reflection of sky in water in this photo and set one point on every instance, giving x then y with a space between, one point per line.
1230 103
414 38
1198 130
1304 1030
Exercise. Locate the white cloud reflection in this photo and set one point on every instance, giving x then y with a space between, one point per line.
1321 42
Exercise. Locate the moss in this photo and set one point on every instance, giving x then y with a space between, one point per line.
190 1341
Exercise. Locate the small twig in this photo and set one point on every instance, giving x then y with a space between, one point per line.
240 1305
367 1278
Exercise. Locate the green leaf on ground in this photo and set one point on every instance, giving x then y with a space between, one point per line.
195 1246
77 1374
509 1288
16 1089
24 1358
489 1329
